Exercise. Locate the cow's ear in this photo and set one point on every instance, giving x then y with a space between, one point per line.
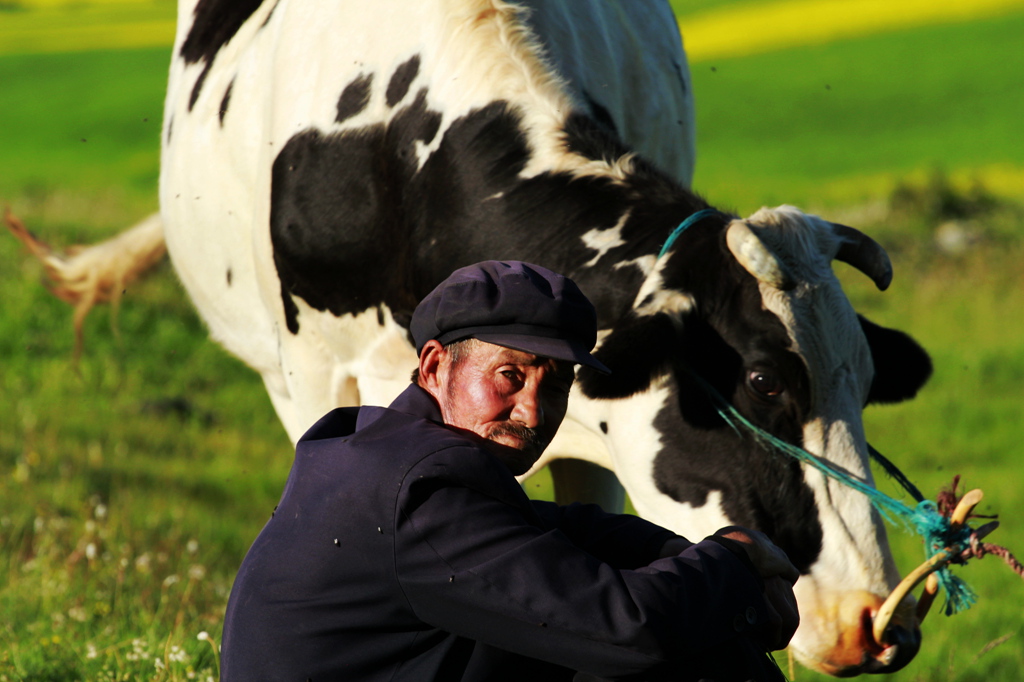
901 366
638 349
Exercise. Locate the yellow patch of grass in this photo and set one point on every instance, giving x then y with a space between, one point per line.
1001 180
77 4
47 26
757 27
731 31
857 193
121 35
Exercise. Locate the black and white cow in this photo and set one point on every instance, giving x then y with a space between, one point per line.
325 164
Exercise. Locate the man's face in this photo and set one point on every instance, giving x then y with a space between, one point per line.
514 399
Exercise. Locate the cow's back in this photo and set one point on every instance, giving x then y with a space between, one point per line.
280 77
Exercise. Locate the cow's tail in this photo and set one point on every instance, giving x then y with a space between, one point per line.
86 275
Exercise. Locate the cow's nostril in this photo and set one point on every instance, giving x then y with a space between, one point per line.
899 646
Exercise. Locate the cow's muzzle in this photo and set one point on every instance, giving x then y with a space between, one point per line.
854 649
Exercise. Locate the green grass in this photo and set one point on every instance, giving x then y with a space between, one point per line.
130 489
87 121
809 125
683 8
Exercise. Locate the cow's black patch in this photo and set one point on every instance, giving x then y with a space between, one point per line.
590 139
401 79
604 427
198 86
225 101
601 115
354 97
358 219
759 489
338 213
640 348
215 23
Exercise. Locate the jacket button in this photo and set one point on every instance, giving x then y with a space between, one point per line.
751 614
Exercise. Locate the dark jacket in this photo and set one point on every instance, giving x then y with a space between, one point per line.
403 550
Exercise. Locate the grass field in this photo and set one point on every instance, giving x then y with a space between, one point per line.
131 487
870 112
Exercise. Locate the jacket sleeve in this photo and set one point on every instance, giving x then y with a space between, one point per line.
620 540
470 561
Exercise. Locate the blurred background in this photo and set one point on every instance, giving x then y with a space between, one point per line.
132 482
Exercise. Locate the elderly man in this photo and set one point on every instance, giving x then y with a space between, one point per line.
404 549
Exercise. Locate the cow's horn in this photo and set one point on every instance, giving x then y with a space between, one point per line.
755 257
865 254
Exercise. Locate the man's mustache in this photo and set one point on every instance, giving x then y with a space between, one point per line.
524 433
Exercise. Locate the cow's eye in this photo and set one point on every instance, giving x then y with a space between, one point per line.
766 384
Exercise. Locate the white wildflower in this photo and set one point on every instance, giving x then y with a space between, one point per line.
203 636
139 651
196 572
192 546
90 552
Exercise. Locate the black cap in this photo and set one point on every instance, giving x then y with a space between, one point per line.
512 304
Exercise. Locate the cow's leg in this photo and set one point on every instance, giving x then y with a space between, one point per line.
579 481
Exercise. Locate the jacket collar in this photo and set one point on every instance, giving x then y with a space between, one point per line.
413 401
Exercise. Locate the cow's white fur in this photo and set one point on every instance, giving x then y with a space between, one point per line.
604 240
654 297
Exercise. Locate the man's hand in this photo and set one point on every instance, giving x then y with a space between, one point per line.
768 558
779 574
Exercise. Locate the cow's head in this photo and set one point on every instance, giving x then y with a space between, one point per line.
753 309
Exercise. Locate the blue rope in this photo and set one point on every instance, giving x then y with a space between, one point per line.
683 226
924 518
